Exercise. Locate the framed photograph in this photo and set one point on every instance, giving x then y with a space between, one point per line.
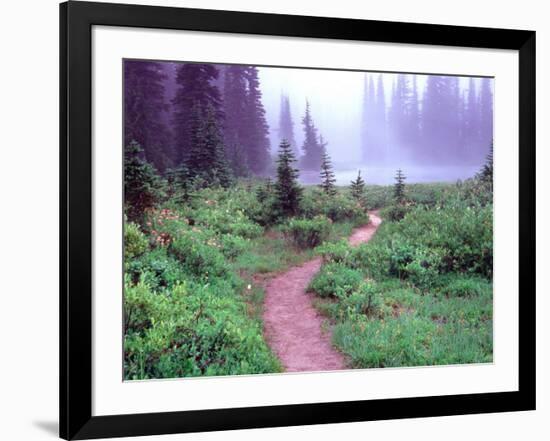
272 220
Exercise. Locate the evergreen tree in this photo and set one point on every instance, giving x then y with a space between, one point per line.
238 163
313 154
197 160
264 191
413 133
380 122
357 188
217 170
196 87
486 173
471 122
370 148
286 124
256 142
245 130
179 183
399 187
287 190
142 185
145 109
328 179
206 158
235 109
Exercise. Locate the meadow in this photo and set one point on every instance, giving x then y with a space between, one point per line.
197 258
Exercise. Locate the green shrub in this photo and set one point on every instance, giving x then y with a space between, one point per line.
157 268
197 258
366 300
233 246
334 252
192 330
460 286
135 242
451 239
308 233
335 280
423 271
395 212
340 207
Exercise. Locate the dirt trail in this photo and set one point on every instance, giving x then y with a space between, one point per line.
293 325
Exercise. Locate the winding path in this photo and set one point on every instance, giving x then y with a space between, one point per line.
293 326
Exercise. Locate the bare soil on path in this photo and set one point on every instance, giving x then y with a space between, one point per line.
292 325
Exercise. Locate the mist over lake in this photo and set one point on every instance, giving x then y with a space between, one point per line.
386 175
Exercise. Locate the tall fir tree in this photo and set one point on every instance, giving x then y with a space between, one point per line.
471 121
195 85
435 119
399 187
286 124
235 109
413 117
370 146
218 170
245 129
287 190
257 141
328 179
145 111
206 158
312 151
379 132
179 183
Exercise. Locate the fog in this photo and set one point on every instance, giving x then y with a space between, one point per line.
339 100
433 127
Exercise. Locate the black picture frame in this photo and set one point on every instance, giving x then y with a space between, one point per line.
76 21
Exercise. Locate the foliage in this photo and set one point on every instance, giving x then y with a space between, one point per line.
335 252
135 242
423 292
335 279
308 233
192 330
395 212
338 207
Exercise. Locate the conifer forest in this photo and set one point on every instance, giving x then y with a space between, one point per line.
296 220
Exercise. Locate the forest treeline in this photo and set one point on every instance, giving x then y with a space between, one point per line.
445 123
215 124
189 114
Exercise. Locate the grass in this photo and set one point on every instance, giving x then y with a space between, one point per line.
273 253
419 293
426 297
416 329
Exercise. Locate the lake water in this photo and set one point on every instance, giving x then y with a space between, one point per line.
385 175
